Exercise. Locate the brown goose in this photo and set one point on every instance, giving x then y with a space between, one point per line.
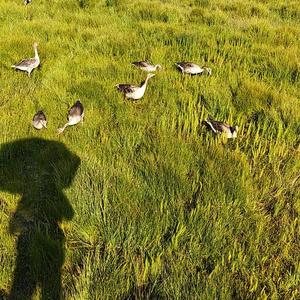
220 127
75 115
134 92
146 66
192 68
39 120
27 65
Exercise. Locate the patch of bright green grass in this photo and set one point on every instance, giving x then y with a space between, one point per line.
162 207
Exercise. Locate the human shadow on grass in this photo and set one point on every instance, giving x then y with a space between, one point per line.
38 170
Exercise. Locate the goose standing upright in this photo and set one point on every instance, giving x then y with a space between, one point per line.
192 68
220 127
27 65
134 92
146 66
39 120
75 115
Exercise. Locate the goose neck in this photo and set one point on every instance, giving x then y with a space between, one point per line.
36 54
145 82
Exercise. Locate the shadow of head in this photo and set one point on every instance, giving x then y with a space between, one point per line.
38 170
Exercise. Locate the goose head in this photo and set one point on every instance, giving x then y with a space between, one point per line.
158 67
208 70
150 75
35 45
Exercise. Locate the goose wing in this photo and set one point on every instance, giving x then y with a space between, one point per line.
141 64
76 110
39 116
189 65
186 65
126 88
216 126
26 63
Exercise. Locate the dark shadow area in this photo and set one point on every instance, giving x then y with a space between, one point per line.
38 170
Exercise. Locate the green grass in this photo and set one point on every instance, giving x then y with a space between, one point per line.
162 207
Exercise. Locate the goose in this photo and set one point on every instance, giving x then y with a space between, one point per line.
27 2
39 120
192 68
134 92
146 66
220 127
75 115
27 65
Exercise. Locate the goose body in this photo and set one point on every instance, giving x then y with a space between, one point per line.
39 120
192 68
75 115
222 128
28 65
146 66
134 92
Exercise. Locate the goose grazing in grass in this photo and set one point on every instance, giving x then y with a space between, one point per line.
27 2
75 115
39 120
220 127
27 65
192 68
146 66
134 92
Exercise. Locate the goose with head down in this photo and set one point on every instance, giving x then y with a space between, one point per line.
134 92
75 115
39 120
222 128
192 68
146 66
29 64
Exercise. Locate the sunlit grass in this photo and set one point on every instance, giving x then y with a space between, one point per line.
164 208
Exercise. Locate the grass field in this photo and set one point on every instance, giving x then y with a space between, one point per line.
147 202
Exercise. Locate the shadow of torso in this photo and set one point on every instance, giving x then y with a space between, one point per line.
38 170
